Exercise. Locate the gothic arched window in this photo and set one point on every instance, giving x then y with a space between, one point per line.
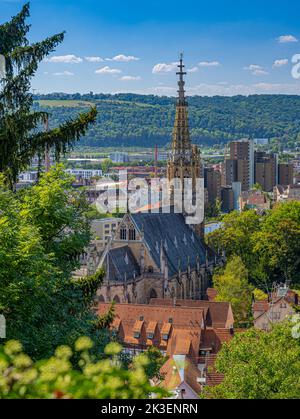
132 234
123 233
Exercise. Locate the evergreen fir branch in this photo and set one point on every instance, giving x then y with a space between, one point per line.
13 33
35 52
89 284
106 320
64 136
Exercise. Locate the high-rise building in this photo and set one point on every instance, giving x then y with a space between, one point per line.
237 191
227 198
285 174
266 170
229 172
212 183
243 153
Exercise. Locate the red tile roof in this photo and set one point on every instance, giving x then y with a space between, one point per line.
178 370
186 330
211 294
182 326
218 314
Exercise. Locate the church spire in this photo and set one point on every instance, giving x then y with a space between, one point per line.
185 160
181 83
181 144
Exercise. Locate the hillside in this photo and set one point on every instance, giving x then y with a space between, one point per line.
137 120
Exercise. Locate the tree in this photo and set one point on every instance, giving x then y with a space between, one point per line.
58 211
42 233
106 165
259 295
20 136
56 378
234 237
260 365
233 287
278 243
155 361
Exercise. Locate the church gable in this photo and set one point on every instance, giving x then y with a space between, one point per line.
127 231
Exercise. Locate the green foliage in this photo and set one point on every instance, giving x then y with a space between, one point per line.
138 120
156 361
269 246
278 242
106 319
233 287
20 138
58 212
235 236
259 295
213 211
43 230
106 165
260 365
56 378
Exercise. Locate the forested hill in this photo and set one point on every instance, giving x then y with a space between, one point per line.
137 120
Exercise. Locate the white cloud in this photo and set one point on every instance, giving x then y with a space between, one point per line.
256 70
253 67
64 73
222 90
108 70
94 59
163 91
192 70
244 89
209 64
123 58
280 63
130 78
260 73
285 39
164 68
66 59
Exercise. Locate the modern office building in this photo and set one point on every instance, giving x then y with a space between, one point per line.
243 153
212 182
266 174
285 174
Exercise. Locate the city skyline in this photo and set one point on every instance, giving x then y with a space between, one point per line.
229 49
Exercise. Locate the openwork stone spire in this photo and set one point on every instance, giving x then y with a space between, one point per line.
181 83
185 160
181 144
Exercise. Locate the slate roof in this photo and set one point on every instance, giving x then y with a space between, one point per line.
122 264
179 241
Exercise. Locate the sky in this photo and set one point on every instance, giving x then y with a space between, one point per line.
230 46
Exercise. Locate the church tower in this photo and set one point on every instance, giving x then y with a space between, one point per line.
185 159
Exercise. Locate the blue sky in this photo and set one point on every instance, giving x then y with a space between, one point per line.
230 47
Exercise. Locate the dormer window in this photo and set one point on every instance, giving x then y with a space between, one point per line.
136 335
150 336
165 337
171 321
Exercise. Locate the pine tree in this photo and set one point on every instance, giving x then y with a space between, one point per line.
20 136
